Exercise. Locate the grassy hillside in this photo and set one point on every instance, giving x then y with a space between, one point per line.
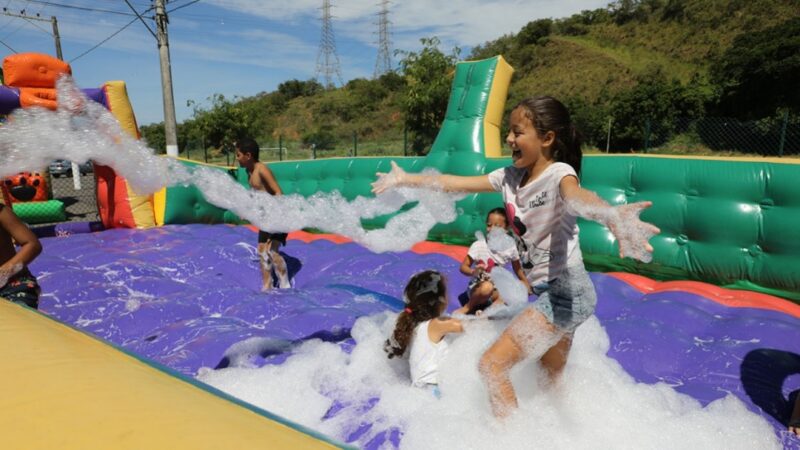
595 61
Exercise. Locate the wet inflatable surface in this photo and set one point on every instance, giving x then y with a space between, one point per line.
184 296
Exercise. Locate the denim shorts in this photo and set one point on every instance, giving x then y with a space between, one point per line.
568 300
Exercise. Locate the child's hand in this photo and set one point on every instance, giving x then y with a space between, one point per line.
389 180
7 272
631 233
479 270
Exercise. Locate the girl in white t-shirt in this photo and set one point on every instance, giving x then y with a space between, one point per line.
422 328
480 261
543 198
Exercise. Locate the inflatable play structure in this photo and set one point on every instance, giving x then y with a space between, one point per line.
29 81
177 300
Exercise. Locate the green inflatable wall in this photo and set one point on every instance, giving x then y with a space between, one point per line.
734 223
41 212
186 204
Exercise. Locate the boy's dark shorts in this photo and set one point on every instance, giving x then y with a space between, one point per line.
263 237
22 288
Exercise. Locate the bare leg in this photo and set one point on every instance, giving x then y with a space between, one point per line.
494 367
555 359
279 264
266 266
477 296
527 335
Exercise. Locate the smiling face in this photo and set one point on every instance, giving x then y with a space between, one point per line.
527 147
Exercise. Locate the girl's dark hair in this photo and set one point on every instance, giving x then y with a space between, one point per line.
423 296
548 114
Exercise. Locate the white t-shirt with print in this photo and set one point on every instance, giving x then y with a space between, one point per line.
538 215
479 251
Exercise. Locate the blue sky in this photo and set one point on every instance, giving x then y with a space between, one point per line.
243 47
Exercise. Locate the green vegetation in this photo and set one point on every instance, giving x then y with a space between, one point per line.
652 69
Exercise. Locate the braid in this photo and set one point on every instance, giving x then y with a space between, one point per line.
423 296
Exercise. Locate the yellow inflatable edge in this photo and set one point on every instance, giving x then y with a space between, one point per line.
120 106
62 388
493 120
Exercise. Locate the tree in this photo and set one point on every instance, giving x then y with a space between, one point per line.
427 91
224 121
760 72
296 88
154 137
534 31
658 101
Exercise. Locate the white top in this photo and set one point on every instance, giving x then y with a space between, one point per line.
425 356
479 251
548 231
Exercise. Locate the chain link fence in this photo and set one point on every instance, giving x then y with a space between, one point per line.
714 136
61 192
283 149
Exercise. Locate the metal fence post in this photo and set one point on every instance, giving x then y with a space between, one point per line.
280 147
608 138
355 144
783 132
647 136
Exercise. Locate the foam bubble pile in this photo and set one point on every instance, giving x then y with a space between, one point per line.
82 130
659 370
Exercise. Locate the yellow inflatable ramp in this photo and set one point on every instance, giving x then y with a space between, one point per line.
63 389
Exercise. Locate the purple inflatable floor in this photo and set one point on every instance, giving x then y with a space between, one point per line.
182 295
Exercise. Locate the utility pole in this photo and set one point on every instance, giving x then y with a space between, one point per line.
327 59
52 21
57 37
384 62
170 123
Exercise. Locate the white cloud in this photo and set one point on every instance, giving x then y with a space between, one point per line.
462 22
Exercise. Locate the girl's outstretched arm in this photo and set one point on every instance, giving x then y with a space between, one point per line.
623 220
398 177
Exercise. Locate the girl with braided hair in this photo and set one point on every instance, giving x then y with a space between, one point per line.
421 327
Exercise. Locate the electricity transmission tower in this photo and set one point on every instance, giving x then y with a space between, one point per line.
327 59
384 62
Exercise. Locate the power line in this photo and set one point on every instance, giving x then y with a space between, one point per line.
37 26
82 8
8 46
182 6
105 40
12 20
139 16
37 18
